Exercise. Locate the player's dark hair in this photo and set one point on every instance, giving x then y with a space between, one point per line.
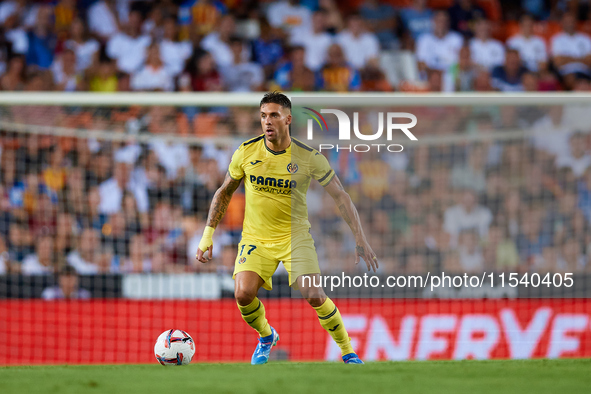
276 98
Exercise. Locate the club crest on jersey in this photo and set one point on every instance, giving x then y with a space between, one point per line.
292 168
241 260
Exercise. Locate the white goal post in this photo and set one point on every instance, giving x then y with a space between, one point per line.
113 100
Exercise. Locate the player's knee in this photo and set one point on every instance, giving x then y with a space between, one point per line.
316 301
244 297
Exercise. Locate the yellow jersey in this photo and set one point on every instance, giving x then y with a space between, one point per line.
276 184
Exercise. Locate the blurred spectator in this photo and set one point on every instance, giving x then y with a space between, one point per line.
19 245
532 238
570 257
203 14
438 50
14 78
417 19
134 221
25 194
217 43
315 42
578 158
267 49
337 75
289 15
85 47
373 78
91 216
358 44
501 249
434 81
105 80
559 221
530 82
173 156
43 218
205 77
507 78
128 48
550 134
470 253
4 258
42 40
161 188
102 19
111 191
584 194
381 20
67 287
537 8
16 35
137 260
154 23
24 10
463 15
482 82
54 176
65 75
241 76
153 76
5 213
43 261
173 52
571 51
334 18
31 154
461 76
471 175
467 215
64 234
531 48
65 12
85 258
114 236
195 182
165 235
486 51
537 190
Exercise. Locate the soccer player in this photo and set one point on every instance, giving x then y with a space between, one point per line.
277 170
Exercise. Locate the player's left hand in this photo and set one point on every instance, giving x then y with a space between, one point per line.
363 250
206 245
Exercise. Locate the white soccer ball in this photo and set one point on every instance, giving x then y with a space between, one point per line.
174 347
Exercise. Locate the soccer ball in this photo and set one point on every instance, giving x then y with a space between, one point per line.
174 347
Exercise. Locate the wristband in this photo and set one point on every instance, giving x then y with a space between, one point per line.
206 239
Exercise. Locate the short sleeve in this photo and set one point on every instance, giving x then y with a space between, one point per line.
555 48
422 49
320 169
587 47
235 168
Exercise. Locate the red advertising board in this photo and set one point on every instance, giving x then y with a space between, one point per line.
124 331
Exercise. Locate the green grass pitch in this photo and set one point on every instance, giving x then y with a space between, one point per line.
515 376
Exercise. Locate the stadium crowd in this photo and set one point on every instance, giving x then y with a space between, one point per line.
104 206
517 204
308 45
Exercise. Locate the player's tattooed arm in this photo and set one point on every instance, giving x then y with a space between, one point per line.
351 217
220 201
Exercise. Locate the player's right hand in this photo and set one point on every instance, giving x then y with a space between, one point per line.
206 245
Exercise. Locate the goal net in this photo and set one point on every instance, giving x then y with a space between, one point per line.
480 224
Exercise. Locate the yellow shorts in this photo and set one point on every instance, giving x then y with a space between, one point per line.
298 255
